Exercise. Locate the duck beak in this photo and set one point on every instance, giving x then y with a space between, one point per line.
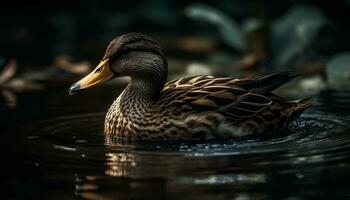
99 75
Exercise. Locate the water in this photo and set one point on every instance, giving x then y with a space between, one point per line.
52 147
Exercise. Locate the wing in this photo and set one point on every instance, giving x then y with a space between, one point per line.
236 99
206 93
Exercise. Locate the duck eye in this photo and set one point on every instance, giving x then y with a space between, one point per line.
98 70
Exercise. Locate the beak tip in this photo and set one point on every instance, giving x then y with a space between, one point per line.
74 89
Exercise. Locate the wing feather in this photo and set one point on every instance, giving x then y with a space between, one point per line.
206 93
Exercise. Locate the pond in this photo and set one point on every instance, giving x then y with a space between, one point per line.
53 147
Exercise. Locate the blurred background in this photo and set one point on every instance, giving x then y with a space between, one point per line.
55 39
52 144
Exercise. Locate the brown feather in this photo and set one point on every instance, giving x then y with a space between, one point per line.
205 102
196 107
221 95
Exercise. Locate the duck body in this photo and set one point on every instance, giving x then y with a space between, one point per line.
204 107
190 108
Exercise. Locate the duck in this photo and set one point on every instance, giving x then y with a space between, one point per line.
198 107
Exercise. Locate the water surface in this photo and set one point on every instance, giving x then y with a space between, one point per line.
53 147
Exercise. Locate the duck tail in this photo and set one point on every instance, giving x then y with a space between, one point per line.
300 106
305 103
275 80
267 83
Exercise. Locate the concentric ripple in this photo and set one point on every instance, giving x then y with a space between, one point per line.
317 143
315 137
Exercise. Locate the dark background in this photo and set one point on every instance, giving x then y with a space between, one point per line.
38 119
35 32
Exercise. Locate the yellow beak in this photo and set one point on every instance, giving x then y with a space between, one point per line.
99 75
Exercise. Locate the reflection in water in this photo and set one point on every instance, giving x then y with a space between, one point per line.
120 160
119 164
309 161
223 179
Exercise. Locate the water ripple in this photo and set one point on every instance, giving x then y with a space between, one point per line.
318 143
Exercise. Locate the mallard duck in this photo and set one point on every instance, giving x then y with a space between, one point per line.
196 107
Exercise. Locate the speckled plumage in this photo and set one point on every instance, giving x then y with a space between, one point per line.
197 107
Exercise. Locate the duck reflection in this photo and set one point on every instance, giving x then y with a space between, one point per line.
138 171
107 187
119 163
120 179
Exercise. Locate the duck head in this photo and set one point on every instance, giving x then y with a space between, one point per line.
135 55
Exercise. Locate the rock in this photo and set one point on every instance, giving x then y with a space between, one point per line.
198 69
312 85
303 87
338 71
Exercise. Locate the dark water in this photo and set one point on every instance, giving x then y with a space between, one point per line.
52 147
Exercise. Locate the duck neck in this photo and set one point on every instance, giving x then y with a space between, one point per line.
141 93
143 89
